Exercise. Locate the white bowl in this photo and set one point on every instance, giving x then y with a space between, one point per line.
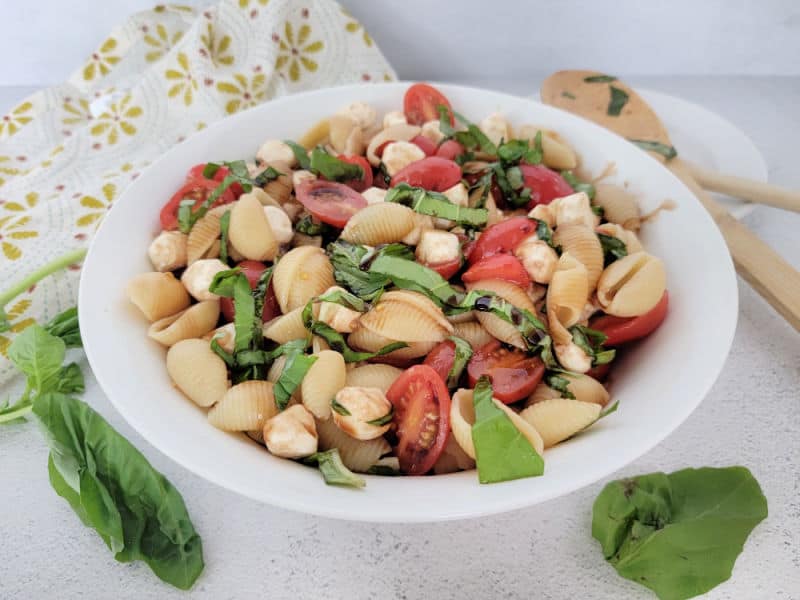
658 386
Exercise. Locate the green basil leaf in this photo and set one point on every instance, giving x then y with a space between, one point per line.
210 170
136 511
332 168
463 352
502 453
259 298
344 298
65 326
188 215
307 225
678 534
70 380
224 225
339 409
234 284
619 98
300 153
444 121
333 470
560 384
668 152
297 365
569 95
544 233
222 353
473 138
600 79
39 356
265 176
577 185
613 248
436 205
351 267
591 342
384 420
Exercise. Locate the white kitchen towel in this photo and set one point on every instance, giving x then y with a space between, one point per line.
67 152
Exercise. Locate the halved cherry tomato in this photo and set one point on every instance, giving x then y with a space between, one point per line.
446 269
514 374
502 238
626 329
330 202
365 182
252 269
545 185
196 172
432 173
499 266
449 149
442 358
421 416
421 103
197 190
425 144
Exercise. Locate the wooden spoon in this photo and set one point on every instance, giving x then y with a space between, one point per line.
609 102
592 95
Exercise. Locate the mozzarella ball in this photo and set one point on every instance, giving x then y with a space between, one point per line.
538 258
574 208
275 151
291 433
431 130
438 247
362 412
394 117
374 195
398 155
198 276
362 113
168 251
301 176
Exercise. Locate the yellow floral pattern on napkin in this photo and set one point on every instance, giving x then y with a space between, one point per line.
68 152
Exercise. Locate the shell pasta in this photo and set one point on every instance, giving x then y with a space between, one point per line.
401 294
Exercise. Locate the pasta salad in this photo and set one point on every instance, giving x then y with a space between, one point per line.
407 295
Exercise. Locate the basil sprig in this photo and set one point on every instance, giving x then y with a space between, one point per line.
436 205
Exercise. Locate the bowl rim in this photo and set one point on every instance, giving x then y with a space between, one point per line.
334 510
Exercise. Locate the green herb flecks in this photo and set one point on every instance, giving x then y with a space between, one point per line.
437 205
339 409
384 420
569 95
307 225
668 152
599 79
333 470
678 534
619 98
295 369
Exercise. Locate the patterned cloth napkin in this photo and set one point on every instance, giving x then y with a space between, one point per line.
67 152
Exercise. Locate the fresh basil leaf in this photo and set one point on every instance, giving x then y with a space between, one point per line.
444 121
265 176
600 79
506 180
619 98
300 153
339 409
210 170
678 534
613 248
608 410
463 352
668 152
351 267
502 453
297 365
598 210
591 342
332 168
577 185
39 356
259 298
136 511
514 152
307 225
65 326
569 95
383 470
224 225
70 380
188 215
345 299
544 233
238 168
234 284
333 470
473 138
436 205
560 384
222 353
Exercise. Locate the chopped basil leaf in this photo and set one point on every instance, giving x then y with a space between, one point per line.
463 352
333 470
444 121
260 297
436 205
222 353
560 384
332 168
599 211
295 369
339 409
473 138
65 326
591 342
187 217
224 225
577 185
600 79
384 470
619 98
233 284
484 184
381 421
544 233
613 248
668 152
309 226
344 298
210 170
514 152
569 95
265 176
300 153
502 453
607 411
351 267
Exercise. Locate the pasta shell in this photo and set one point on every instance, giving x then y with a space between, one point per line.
321 383
464 317
619 205
244 407
300 275
462 417
475 334
319 344
280 190
422 224
357 455
373 376
556 153
402 132
628 237
257 436
318 134
632 285
497 327
276 368
203 235
250 232
453 459
194 322
381 223
541 393
301 239
364 339
407 318
157 295
419 301
566 297
168 251
225 336
583 245
345 135
560 418
587 389
286 328
197 371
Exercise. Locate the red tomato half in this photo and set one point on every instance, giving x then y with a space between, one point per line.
502 238
421 416
252 269
442 358
365 182
514 374
626 329
421 103
330 202
499 266
197 190
446 269
449 150
424 144
196 172
432 173
545 185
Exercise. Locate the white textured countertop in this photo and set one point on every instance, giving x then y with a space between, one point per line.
255 551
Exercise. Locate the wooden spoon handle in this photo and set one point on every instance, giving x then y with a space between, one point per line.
758 264
746 189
